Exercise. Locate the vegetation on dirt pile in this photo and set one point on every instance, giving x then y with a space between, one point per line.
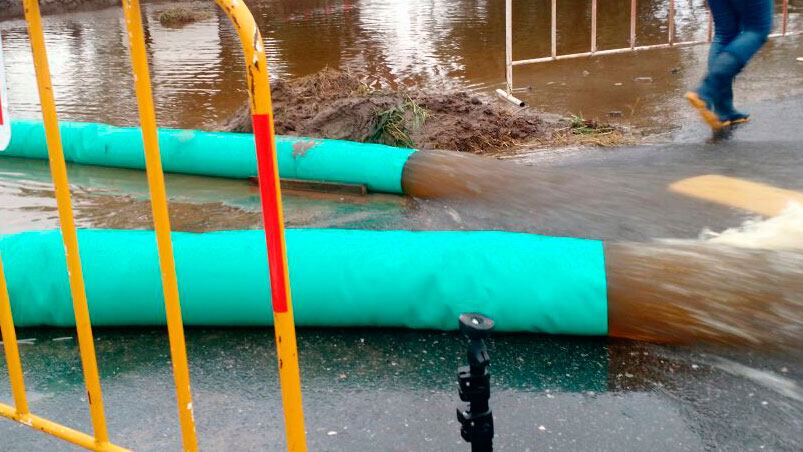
581 131
180 15
340 105
392 125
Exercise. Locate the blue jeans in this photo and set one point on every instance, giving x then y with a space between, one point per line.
741 28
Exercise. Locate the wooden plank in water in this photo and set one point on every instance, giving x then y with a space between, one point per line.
322 187
742 194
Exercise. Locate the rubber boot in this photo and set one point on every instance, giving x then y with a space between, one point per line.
705 106
726 111
713 93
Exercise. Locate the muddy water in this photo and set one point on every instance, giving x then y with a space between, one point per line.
743 286
118 198
702 292
433 44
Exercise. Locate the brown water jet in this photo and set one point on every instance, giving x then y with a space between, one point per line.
702 292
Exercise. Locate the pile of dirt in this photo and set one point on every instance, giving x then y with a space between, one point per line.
339 105
179 16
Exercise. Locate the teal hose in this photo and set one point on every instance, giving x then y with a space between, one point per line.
219 154
339 278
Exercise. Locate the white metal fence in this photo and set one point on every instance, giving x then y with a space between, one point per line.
671 40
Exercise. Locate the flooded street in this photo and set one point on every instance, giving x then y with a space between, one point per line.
436 45
394 389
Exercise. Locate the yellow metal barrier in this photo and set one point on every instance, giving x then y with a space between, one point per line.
19 412
11 348
259 94
256 67
58 171
161 222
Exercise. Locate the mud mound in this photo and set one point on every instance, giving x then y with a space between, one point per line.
464 123
178 16
339 105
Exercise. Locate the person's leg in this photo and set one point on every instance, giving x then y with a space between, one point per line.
755 21
710 93
726 29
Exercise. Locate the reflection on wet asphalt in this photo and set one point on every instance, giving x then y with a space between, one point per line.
395 390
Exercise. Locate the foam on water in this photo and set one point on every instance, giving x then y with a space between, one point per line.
742 286
783 232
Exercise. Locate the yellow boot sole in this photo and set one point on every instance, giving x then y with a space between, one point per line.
708 116
737 121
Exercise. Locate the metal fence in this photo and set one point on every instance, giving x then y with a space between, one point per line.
671 40
259 94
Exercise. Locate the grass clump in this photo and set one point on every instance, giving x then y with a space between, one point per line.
581 131
179 16
394 125
581 126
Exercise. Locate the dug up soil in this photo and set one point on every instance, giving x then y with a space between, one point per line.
340 105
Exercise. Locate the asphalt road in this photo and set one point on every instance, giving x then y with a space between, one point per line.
395 390
621 194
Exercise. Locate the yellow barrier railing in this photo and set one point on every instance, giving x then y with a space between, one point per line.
58 170
161 222
256 67
259 94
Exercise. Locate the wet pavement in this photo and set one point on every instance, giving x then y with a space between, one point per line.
633 182
394 390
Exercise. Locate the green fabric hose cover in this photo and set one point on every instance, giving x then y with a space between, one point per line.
338 278
220 154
